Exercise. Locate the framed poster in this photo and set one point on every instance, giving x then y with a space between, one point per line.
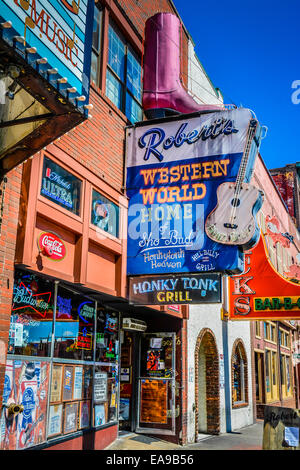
78 378
125 374
99 414
70 417
84 414
68 380
87 382
55 420
100 386
124 409
56 384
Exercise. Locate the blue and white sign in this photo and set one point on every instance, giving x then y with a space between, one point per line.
55 38
174 169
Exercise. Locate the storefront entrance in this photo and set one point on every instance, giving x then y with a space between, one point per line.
147 383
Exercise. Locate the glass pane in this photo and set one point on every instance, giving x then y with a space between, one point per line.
113 89
94 68
97 28
105 214
156 356
32 315
60 186
116 53
134 76
107 345
74 326
133 110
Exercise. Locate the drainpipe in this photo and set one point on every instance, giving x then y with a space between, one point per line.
227 375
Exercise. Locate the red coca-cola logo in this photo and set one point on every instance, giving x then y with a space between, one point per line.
52 246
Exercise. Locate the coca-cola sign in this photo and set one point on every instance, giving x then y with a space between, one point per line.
51 246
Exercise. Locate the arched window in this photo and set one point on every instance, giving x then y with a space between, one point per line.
239 374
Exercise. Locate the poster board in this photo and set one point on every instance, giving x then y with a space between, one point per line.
70 417
84 414
78 380
100 414
56 383
68 379
55 420
100 386
25 382
281 428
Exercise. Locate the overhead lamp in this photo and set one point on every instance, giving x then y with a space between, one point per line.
81 98
62 80
42 60
19 39
30 50
6 25
52 71
72 89
88 106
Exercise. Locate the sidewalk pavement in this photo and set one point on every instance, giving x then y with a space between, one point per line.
248 438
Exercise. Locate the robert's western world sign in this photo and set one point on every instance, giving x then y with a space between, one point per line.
175 289
174 169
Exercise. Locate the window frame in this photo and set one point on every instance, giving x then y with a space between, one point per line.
271 364
239 349
123 83
132 44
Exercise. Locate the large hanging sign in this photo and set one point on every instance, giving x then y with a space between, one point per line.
183 215
54 36
261 293
178 289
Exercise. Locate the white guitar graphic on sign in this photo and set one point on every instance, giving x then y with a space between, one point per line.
233 221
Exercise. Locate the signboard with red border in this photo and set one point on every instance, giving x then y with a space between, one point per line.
260 292
52 246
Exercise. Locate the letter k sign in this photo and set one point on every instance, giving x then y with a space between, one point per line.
241 286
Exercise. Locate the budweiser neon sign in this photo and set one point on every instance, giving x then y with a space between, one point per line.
24 298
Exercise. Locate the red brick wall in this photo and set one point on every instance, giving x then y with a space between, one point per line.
99 143
9 197
285 185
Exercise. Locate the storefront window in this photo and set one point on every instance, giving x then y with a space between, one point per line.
75 385
60 186
74 326
30 330
107 345
105 214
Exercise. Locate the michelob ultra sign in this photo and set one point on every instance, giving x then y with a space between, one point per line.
59 30
174 168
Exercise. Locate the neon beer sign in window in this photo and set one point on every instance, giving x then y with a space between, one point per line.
60 186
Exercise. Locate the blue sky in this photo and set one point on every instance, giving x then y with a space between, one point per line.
251 51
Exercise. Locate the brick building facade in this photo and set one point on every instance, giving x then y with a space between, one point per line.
89 162
211 392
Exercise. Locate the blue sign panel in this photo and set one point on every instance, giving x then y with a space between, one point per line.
55 38
174 170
